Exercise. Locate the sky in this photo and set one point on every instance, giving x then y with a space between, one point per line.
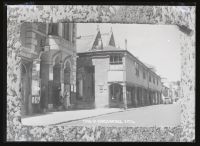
157 45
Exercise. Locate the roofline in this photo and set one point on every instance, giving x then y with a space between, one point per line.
111 51
142 63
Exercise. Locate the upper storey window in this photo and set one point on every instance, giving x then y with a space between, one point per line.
149 78
116 59
66 32
137 69
153 80
53 29
144 74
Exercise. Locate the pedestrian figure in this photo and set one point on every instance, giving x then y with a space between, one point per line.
60 101
65 98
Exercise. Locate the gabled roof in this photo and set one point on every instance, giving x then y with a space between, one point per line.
84 43
108 39
89 43
96 45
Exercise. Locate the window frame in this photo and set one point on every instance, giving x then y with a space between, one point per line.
66 31
53 29
116 59
137 69
144 74
149 77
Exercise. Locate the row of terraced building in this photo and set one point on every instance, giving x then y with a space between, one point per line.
100 76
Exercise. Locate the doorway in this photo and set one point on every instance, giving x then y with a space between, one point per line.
56 83
116 95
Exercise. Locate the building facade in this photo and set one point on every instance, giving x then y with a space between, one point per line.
108 76
48 65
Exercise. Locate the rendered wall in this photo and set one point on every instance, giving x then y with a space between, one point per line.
101 78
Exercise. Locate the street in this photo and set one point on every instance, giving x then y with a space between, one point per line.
164 115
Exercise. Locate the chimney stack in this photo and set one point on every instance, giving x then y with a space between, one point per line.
125 44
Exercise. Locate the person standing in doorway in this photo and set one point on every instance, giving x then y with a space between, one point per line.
67 97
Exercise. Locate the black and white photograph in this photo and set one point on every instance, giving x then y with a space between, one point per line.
127 73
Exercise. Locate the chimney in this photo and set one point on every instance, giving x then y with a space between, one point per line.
125 44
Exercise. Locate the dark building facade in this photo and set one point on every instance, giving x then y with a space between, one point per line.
108 76
48 65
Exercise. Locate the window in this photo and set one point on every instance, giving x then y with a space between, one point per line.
157 81
66 34
53 29
115 59
149 78
137 69
153 80
144 74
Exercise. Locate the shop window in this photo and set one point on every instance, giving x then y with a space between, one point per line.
115 59
116 92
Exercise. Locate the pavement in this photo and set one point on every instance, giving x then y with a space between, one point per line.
54 118
163 115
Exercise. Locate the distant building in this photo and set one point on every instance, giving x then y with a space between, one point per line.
108 76
173 89
48 65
